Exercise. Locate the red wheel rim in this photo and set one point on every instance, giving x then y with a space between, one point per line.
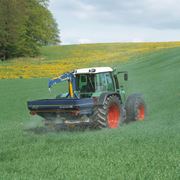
141 113
113 116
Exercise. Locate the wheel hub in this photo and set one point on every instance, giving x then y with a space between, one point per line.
113 116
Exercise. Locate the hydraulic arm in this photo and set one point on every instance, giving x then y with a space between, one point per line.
70 77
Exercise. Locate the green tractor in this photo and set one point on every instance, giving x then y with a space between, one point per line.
95 97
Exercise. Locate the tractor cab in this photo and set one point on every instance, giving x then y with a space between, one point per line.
91 82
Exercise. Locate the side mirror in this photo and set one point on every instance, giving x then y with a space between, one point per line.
125 76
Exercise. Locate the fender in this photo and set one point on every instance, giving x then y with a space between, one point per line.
104 96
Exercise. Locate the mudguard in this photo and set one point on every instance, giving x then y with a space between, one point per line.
104 96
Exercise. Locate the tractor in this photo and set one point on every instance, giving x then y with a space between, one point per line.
95 98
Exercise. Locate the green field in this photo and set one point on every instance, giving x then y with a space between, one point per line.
140 150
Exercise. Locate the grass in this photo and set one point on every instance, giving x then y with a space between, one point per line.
141 150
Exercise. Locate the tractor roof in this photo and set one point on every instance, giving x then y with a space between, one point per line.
93 70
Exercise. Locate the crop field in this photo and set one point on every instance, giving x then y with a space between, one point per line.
56 60
140 150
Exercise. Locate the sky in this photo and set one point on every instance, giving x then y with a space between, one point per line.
98 21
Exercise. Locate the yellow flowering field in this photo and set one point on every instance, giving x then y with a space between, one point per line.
59 59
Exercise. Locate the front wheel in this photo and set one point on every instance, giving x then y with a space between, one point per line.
135 108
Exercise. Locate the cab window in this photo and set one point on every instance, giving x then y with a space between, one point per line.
104 82
85 83
109 80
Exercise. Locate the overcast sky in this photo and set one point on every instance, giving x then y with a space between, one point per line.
91 21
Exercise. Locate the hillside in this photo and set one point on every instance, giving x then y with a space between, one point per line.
140 150
58 59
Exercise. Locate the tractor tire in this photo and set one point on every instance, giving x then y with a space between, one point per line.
109 114
135 108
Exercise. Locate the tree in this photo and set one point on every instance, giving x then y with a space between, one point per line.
11 25
25 25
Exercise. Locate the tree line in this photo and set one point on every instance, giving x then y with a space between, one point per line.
25 26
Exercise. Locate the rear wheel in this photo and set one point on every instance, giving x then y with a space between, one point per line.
109 114
135 108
